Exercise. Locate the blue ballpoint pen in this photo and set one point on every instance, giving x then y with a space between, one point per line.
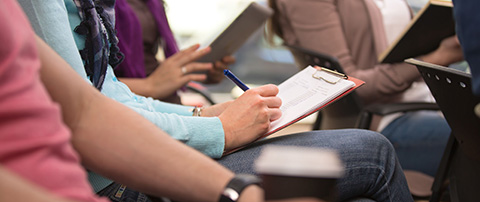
235 80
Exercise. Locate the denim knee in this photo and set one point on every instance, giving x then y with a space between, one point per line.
371 139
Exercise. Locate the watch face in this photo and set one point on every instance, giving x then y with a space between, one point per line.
231 194
234 188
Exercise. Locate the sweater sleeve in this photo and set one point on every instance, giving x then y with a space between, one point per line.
202 133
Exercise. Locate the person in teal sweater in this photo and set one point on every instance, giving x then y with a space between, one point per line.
221 127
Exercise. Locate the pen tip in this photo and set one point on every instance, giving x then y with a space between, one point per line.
225 71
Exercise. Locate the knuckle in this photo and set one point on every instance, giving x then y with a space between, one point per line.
260 103
250 92
263 115
265 126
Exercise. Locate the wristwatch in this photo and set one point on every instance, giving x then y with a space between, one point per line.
234 188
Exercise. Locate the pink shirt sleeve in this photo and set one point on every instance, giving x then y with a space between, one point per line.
34 142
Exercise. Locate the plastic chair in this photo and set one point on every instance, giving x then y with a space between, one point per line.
460 165
348 112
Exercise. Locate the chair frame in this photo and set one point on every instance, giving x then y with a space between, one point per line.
460 164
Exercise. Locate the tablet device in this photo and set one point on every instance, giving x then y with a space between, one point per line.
233 37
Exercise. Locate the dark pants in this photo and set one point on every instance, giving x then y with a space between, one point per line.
121 193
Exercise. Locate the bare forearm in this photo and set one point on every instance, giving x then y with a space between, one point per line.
149 159
447 53
120 144
435 58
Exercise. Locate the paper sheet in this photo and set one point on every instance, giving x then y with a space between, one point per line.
302 93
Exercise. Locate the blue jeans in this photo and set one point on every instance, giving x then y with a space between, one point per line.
419 139
372 170
116 192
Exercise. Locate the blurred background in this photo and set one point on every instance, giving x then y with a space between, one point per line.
258 62
201 21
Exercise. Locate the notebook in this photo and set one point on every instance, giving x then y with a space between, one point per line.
433 23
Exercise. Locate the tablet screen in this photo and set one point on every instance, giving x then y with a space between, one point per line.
233 37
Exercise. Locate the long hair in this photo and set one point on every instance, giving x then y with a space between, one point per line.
273 26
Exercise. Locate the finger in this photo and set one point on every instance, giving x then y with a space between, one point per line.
184 70
184 52
273 102
197 67
215 72
197 77
275 113
267 90
220 66
192 56
215 75
228 59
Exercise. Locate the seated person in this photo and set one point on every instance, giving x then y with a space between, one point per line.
357 32
221 127
36 144
141 27
466 20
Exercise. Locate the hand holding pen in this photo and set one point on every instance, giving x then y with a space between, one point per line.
248 117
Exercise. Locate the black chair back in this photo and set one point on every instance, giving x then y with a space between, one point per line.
453 93
461 162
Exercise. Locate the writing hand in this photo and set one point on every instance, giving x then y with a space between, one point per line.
249 116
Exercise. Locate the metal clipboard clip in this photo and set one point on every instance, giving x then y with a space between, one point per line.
335 73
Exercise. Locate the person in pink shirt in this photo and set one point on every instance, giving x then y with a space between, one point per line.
35 140
14 188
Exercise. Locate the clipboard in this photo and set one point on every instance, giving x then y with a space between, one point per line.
305 78
338 77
